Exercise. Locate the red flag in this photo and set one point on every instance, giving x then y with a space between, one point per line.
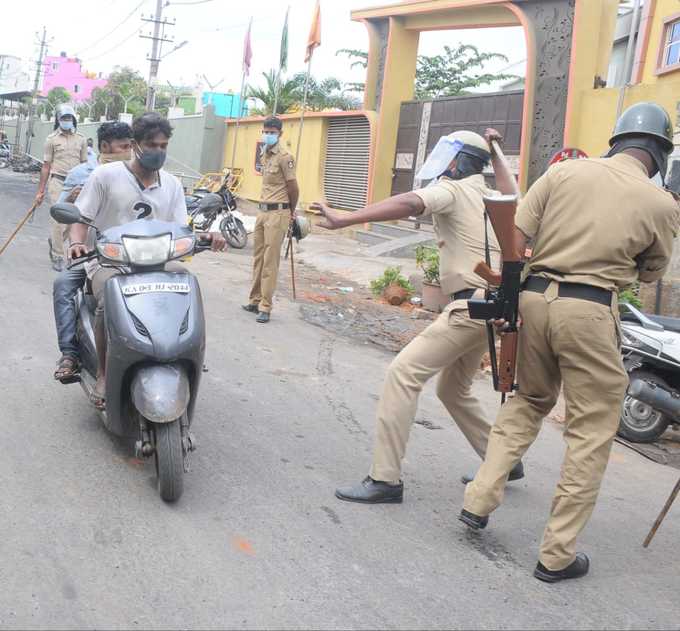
314 38
247 50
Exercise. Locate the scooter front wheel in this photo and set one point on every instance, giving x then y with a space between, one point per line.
169 460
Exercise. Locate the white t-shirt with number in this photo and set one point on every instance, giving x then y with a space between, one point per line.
114 196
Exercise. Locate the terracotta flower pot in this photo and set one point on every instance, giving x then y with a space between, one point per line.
434 299
395 294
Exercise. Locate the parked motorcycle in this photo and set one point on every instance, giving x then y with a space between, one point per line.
156 340
205 207
5 155
651 355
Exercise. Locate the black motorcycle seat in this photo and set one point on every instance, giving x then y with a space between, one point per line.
90 302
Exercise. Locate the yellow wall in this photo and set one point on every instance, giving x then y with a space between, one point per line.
662 9
310 168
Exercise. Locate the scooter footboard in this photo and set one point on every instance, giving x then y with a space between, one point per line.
161 392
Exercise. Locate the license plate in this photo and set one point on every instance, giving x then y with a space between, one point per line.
153 288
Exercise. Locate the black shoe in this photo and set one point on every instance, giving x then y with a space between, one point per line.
517 473
250 308
474 521
371 491
577 569
262 317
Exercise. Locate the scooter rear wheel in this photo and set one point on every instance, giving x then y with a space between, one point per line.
169 460
641 423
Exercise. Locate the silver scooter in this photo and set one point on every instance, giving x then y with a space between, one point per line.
156 340
651 355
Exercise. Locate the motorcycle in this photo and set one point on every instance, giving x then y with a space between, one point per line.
5 155
651 355
205 207
156 340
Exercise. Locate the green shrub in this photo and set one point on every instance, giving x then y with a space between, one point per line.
390 275
427 259
630 295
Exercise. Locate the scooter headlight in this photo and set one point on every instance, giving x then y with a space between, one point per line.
148 250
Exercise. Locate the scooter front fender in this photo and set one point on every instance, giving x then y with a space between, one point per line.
161 392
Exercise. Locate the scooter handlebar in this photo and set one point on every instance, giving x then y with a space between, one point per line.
88 257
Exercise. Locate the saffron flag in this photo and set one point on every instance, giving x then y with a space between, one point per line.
247 50
314 38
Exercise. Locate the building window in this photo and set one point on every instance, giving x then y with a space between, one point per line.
669 51
76 88
55 66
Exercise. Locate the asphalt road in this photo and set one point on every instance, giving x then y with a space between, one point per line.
258 540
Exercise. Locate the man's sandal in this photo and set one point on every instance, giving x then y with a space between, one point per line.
98 399
67 368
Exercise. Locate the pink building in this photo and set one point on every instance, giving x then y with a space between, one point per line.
66 72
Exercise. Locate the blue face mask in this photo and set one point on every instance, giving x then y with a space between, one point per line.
269 138
66 125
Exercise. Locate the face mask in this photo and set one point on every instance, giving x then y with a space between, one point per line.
152 159
105 158
270 139
66 125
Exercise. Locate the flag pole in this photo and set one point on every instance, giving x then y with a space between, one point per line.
277 81
246 65
304 107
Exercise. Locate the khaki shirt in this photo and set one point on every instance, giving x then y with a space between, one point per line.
457 210
65 150
600 222
278 167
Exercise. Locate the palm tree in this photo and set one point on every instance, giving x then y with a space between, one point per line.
289 94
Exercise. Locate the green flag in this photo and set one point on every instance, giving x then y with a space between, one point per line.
283 58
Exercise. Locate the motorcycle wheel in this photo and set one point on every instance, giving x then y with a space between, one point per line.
169 460
4 164
641 423
234 232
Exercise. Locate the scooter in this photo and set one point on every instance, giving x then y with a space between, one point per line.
651 355
156 340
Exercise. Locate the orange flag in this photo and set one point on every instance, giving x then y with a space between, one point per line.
314 38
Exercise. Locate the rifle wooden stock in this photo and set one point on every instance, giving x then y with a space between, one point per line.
484 271
501 213
507 362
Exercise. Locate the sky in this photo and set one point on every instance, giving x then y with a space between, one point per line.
105 33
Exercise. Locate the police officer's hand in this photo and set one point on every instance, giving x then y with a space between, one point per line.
217 242
40 196
491 135
73 195
332 220
77 250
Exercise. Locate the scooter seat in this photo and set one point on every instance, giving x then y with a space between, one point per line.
670 324
90 302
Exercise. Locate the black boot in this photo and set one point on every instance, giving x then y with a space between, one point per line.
578 568
473 521
371 491
516 473
250 308
262 317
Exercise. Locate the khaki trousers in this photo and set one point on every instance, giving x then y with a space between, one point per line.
574 343
453 346
57 230
271 228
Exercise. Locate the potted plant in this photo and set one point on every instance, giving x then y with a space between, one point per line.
427 259
394 287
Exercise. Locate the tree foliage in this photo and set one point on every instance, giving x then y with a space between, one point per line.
55 97
322 94
450 73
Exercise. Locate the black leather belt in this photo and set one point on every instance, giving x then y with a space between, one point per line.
59 177
538 285
463 294
263 206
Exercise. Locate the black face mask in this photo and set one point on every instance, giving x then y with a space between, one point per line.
151 159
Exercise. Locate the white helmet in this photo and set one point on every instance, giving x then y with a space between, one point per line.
448 147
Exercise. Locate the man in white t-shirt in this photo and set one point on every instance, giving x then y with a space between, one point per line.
121 192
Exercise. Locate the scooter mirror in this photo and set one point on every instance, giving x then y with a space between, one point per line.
66 213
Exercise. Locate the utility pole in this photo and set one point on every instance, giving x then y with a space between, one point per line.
157 40
36 85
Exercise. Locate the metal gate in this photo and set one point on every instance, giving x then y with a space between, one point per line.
422 123
345 179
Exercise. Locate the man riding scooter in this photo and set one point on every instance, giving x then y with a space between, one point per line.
114 141
122 192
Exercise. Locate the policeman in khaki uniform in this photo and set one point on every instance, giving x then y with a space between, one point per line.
65 148
454 344
277 208
598 226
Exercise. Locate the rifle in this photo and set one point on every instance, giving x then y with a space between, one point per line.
501 301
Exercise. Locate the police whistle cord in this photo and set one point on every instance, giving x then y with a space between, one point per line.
28 215
662 514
